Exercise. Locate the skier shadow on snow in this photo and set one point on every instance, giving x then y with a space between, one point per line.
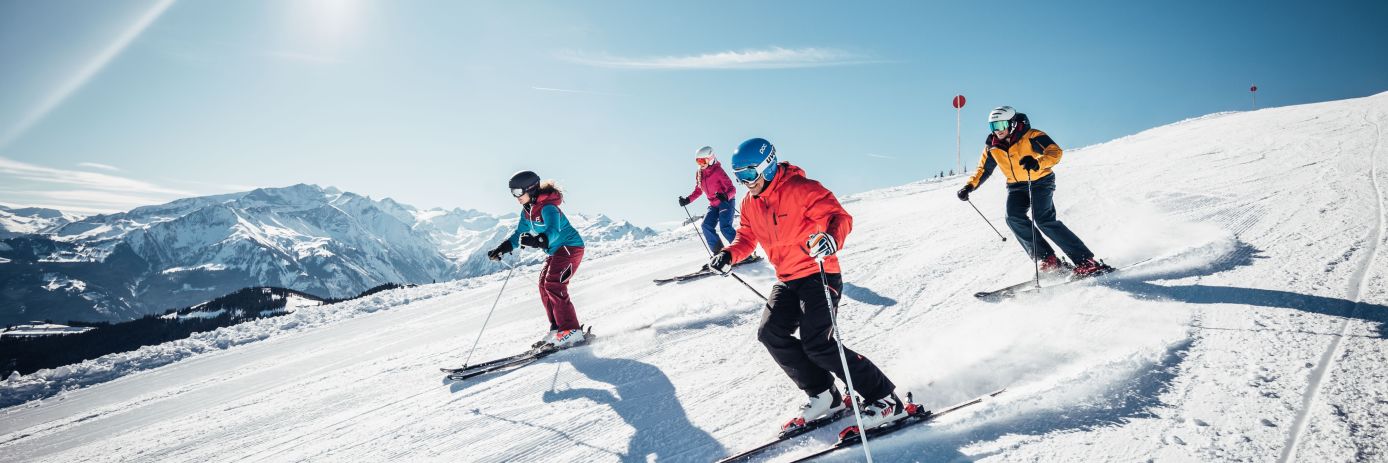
1244 255
866 296
645 399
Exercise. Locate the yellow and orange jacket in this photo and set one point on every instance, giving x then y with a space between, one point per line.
1008 154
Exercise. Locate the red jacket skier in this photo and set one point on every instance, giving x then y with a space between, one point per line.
796 220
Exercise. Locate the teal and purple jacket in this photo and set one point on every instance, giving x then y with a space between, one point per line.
542 216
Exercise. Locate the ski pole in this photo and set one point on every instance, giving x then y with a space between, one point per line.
843 358
1035 263
511 269
710 256
985 219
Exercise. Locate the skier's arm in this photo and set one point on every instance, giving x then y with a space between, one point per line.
985 168
725 183
826 211
555 223
745 242
1047 150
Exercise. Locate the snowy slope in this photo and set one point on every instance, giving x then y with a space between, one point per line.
1256 334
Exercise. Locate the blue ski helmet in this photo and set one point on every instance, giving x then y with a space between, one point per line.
754 158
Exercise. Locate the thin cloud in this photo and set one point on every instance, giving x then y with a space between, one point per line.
565 90
80 191
878 156
768 58
99 62
94 165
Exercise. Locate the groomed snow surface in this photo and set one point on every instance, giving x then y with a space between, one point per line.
1255 335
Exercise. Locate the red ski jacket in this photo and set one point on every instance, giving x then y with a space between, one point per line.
712 180
784 216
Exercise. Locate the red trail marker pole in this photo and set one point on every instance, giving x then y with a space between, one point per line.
958 108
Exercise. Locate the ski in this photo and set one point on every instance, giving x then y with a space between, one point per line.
686 277
1004 293
489 363
515 361
785 436
918 415
704 272
1029 286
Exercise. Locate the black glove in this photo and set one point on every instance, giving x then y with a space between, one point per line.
721 262
1029 163
721 197
503 248
964 192
684 201
539 241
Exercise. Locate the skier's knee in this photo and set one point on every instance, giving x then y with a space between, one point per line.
771 335
552 287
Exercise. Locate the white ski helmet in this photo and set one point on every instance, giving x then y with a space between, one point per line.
1000 118
1001 113
704 156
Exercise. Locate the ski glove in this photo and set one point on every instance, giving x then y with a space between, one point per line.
1029 163
964 192
684 201
721 197
503 248
821 245
535 241
721 262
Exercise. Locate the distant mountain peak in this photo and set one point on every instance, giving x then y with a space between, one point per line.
303 236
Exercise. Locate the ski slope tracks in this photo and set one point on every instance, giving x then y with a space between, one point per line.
1256 334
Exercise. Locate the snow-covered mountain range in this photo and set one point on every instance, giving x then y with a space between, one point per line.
319 240
27 220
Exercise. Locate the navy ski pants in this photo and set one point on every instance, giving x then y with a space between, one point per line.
1041 205
722 217
810 359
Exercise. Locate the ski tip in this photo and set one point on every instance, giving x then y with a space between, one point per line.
990 297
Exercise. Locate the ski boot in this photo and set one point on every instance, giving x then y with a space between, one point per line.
1090 268
1055 265
824 406
564 339
879 413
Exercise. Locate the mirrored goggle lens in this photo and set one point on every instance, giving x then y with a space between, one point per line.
747 174
517 192
998 125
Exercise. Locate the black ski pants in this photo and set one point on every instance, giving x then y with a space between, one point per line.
809 359
1043 208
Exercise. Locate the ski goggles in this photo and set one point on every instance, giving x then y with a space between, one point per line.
998 125
518 192
749 174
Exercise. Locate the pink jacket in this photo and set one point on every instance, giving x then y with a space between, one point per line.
713 180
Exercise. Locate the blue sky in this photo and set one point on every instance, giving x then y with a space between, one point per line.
109 105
